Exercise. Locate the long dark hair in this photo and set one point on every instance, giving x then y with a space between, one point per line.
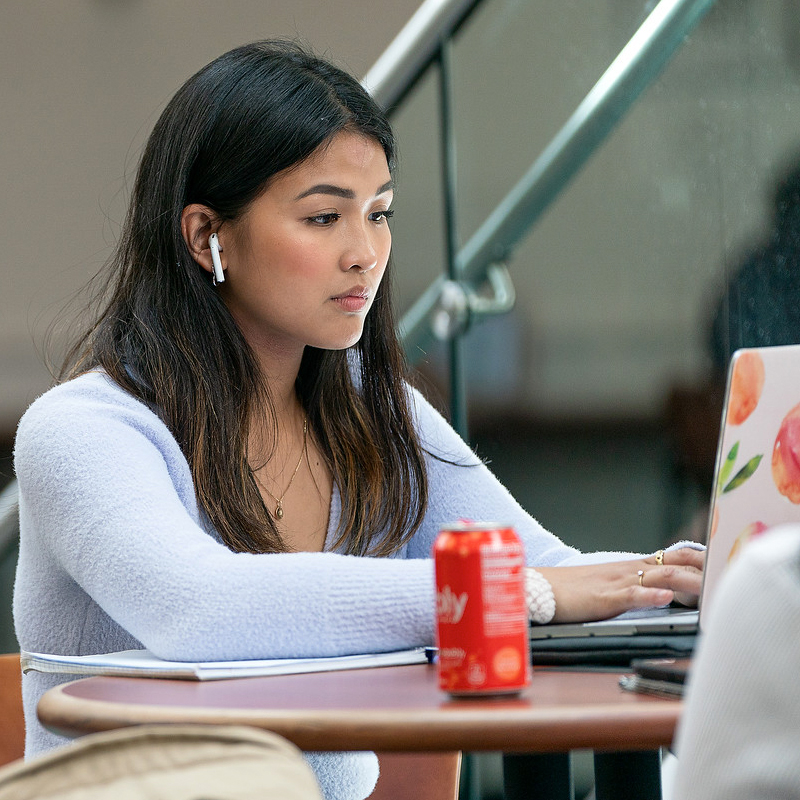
165 336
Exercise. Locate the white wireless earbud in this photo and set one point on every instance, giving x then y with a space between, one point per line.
218 273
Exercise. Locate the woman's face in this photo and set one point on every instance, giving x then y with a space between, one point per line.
303 264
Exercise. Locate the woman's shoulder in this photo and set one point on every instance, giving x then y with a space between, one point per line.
87 399
764 579
423 410
429 422
776 553
436 435
93 386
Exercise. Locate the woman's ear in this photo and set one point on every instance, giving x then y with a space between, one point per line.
198 222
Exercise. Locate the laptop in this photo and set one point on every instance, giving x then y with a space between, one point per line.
756 486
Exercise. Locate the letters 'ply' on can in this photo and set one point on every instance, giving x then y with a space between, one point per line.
482 619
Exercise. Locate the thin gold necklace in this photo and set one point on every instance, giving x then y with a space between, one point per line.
278 513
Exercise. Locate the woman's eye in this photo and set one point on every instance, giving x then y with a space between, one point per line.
380 216
324 219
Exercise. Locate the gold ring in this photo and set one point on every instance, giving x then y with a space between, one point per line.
660 558
640 573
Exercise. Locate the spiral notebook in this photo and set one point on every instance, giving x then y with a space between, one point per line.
143 664
756 486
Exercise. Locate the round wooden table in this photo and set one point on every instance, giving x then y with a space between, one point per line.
388 709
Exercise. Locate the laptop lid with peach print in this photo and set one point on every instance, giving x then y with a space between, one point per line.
757 473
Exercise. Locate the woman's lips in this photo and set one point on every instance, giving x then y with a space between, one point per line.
353 301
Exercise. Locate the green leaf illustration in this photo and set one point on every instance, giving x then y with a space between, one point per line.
727 467
743 474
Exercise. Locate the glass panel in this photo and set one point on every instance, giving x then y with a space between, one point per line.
418 228
597 398
418 238
521 69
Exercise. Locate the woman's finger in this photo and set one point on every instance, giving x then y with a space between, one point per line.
684 556
678 578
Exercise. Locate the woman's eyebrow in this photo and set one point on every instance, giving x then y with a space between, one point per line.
340 191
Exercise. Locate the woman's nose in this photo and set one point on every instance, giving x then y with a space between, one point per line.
361 252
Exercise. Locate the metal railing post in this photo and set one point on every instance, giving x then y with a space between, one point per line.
458 390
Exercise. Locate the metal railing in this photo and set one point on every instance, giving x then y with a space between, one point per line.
452 303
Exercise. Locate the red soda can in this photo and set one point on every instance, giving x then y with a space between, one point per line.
482 619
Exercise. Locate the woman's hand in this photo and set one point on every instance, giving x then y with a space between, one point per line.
600 591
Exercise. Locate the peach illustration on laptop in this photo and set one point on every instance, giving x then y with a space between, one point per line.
747 383
786 456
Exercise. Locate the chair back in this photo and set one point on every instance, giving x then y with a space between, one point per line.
418 776
165 762
12 721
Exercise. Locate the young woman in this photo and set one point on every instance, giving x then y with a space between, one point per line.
232 465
